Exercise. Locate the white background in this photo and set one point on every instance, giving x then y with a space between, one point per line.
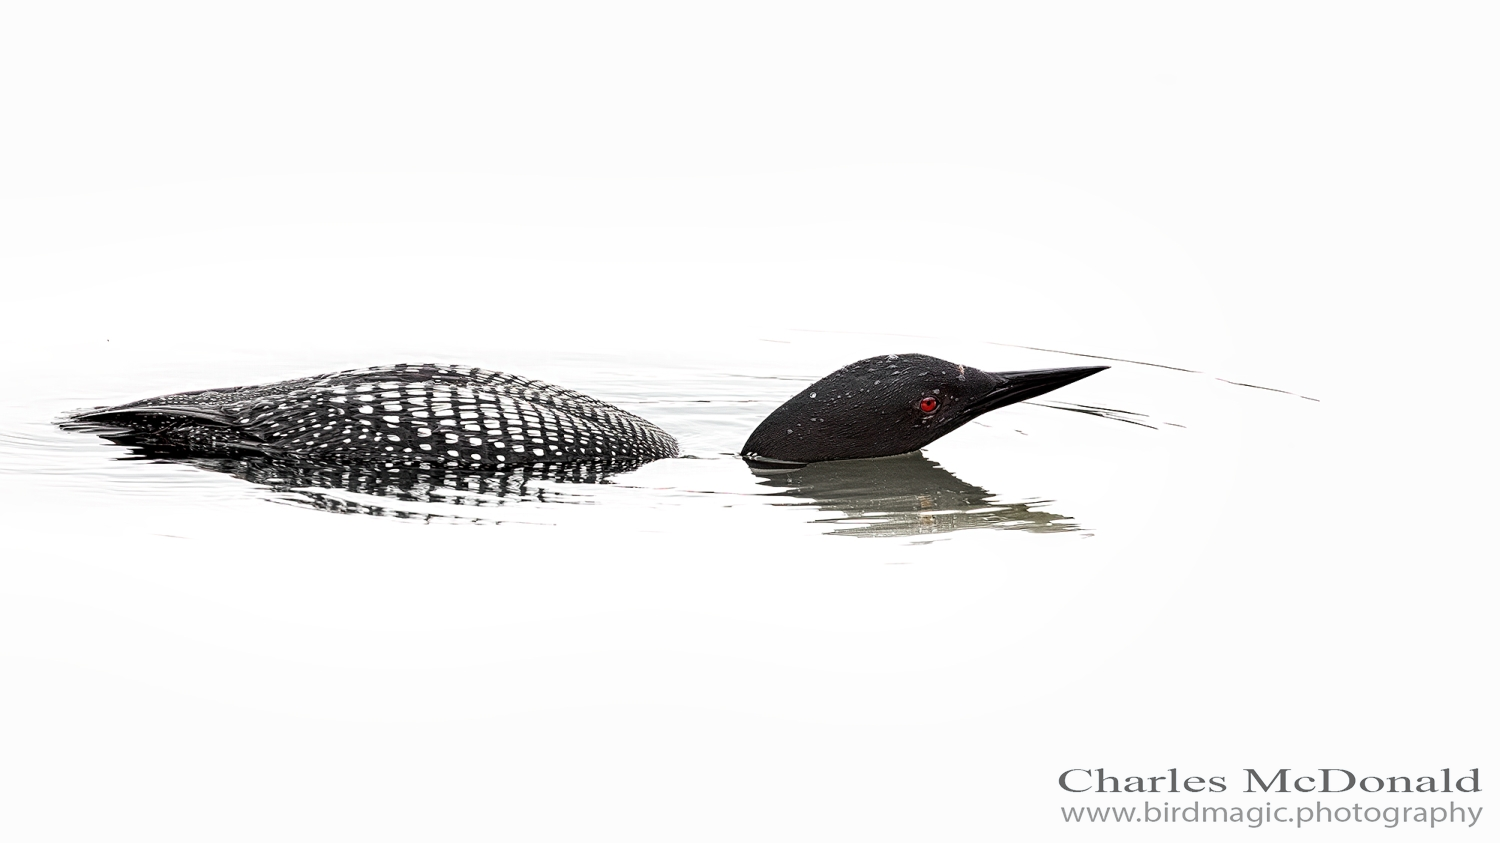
1299 195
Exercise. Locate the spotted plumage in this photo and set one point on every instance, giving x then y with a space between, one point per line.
425 415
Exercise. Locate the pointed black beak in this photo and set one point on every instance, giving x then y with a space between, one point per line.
1011 387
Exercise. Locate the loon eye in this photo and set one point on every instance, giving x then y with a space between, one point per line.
928 404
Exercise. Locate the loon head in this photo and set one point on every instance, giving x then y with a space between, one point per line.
883 406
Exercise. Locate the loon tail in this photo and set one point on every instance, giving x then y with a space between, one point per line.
134 415
169 429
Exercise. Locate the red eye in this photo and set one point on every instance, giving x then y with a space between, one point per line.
928 404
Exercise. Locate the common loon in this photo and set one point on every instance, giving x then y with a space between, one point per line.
473 419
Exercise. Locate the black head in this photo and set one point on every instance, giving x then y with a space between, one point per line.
883 406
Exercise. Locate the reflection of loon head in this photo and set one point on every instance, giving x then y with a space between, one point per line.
883 406
906 495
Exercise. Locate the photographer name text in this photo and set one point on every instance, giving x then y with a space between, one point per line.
1284 780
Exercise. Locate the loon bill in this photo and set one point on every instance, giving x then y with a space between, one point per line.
477 419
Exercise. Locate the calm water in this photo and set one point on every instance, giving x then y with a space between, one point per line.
670 642
1044 467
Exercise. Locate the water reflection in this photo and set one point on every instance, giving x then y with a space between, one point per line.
909 495
395 489
329 487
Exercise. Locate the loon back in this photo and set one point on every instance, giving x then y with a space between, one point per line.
439 415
